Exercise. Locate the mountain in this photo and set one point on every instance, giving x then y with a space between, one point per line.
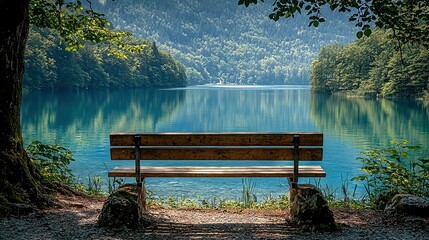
220 41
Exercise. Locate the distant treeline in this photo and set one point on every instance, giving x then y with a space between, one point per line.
48 65
372 66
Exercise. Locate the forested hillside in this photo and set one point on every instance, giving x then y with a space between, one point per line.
220 41
48 65
372 66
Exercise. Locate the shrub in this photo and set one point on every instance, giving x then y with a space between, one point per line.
394 170
52 161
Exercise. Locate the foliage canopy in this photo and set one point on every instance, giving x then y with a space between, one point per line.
408 19
77 23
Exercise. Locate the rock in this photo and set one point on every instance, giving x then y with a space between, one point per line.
309 209
409 205
123 208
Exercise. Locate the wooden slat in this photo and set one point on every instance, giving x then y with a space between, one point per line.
217 139
309 154
247 171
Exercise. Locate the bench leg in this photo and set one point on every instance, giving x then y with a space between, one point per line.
292 184
141 194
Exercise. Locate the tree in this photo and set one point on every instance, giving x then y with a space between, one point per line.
323 69
19 181
18 178
371 67
408 19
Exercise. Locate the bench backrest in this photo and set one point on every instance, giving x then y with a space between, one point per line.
217 146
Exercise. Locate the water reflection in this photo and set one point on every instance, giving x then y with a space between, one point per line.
243 110
370 122
64 115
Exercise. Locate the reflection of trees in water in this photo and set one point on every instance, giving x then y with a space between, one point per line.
371 121
59 115
245 110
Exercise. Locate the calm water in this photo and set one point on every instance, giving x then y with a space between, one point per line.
82 121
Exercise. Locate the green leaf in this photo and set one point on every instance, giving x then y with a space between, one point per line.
367 32
274 17
359 178
359 34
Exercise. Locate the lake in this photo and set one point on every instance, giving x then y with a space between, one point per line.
83 120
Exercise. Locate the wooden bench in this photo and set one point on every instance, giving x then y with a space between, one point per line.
294 147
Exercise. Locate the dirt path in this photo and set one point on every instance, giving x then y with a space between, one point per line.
78 220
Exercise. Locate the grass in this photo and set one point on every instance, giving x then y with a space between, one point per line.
215 202
336 198
248 199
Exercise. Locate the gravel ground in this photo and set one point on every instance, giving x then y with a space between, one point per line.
78 220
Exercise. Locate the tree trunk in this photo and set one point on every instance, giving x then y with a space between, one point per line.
19 181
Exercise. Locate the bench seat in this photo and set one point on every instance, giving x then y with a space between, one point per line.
239 171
